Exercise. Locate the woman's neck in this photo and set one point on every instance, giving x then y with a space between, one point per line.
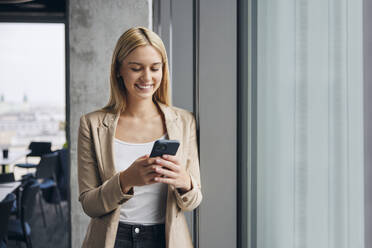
142 109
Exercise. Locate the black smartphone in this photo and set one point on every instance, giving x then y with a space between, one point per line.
162 147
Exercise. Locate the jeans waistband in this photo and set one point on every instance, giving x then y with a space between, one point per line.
140 232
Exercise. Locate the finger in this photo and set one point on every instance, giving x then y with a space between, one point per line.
164 180
150 178
168 165
150 169
152 181
148 161
143 157
166 173
171 158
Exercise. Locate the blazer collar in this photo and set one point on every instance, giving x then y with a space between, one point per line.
169 114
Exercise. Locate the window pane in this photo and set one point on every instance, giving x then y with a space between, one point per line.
32 84
309 124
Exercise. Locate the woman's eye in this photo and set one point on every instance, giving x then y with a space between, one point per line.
135 69
155 69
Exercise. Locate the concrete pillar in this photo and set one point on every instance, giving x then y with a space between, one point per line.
94 27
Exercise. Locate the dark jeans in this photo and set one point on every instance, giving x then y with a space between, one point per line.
139 236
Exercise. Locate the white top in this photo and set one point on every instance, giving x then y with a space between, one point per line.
148 204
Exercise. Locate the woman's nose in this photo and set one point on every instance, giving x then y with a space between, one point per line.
146 77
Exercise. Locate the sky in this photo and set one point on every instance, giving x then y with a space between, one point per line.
32 62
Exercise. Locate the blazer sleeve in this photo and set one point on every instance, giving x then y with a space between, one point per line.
190 200
96 198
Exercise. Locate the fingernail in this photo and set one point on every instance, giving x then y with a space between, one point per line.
156 179
158 161
165 156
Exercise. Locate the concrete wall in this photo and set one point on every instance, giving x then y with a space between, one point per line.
94 27
218 122
182 54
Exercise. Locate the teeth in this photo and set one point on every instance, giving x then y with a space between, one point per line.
144 86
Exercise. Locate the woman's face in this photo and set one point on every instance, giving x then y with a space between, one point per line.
142 72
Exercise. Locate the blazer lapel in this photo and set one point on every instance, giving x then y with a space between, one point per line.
174 132
171 123
106 133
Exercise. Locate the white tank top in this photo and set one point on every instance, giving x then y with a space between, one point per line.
148 204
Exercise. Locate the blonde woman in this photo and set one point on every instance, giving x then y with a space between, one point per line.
134 200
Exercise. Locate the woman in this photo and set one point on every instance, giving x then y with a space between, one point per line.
131 198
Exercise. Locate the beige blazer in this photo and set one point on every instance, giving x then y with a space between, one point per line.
99 188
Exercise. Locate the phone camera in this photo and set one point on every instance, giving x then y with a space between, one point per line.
161 147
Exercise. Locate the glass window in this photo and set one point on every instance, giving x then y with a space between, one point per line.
32 84
32 89
308 168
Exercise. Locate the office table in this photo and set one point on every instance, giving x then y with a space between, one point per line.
6 188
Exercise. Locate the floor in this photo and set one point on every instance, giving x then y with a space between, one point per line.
54 235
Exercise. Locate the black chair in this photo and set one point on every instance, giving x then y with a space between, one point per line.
5 207
62 173
38 149
45 173
19 228
7 177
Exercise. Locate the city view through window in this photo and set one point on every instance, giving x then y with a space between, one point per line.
32 84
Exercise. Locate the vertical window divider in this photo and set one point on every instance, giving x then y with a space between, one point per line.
196 25
246 123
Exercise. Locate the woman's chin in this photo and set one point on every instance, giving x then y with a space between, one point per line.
142 96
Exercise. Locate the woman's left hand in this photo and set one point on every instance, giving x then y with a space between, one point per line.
174 174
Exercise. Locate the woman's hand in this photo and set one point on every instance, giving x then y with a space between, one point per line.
173 173
141 172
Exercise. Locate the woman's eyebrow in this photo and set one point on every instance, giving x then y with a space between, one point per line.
137 63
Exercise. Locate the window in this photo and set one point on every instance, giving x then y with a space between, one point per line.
32 84
307 188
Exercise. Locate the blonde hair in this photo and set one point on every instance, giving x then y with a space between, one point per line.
130 40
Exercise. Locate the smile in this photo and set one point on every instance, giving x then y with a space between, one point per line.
146 86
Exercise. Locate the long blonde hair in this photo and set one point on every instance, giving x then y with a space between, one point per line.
130 40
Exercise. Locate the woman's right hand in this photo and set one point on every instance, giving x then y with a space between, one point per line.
141 172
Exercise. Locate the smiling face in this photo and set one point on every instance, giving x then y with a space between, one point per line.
142 72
